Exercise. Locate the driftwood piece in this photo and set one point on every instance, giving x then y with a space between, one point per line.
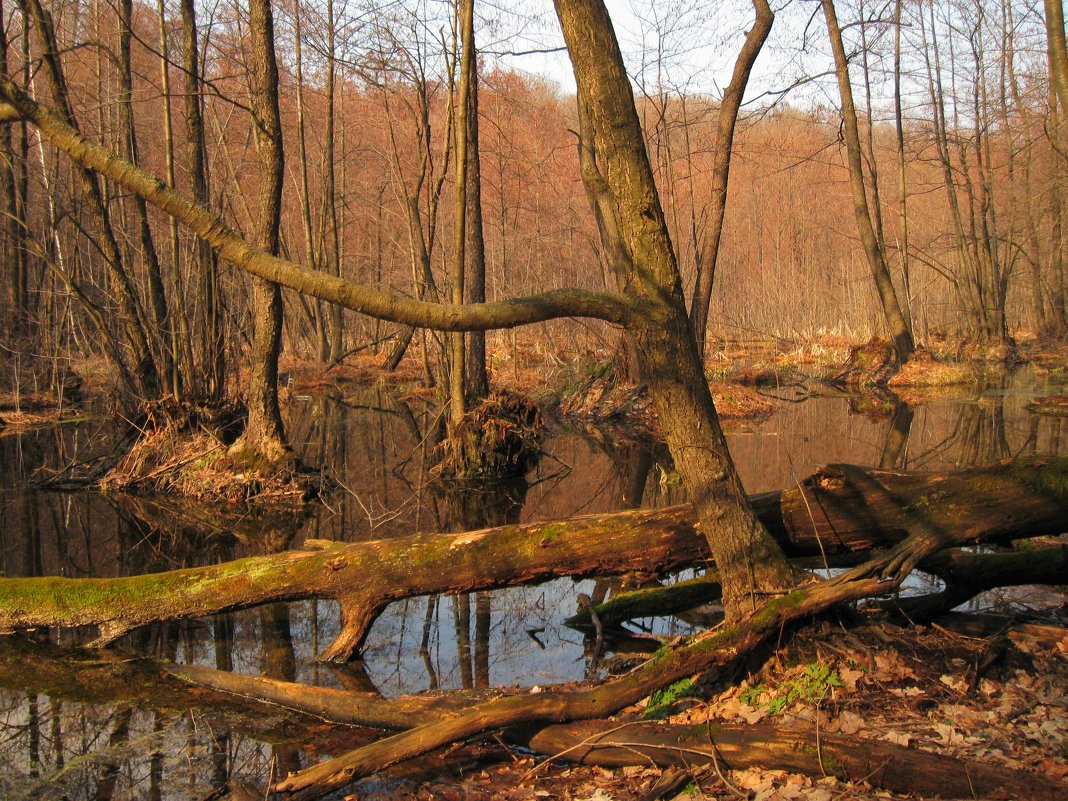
840 508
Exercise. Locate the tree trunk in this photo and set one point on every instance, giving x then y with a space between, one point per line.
1056 51
750 562
157 296
264 436
477 378
900 334
840 509
212 365
15 289
721 169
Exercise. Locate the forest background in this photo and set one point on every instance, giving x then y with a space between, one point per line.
968 200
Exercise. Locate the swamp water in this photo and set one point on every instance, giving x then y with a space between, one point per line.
81 725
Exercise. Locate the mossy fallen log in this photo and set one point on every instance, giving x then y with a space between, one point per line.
840 508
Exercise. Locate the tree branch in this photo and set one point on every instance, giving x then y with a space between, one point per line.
613 308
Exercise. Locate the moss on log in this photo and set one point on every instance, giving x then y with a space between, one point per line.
840 508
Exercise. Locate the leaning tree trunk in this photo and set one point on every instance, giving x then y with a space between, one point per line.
721 168
900 333
750 562
264 436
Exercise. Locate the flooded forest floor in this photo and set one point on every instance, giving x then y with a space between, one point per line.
987 684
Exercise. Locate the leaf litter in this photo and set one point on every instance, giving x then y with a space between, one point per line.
922 687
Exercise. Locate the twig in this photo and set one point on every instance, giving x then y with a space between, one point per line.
733 788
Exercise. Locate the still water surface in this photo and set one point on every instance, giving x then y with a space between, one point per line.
93 729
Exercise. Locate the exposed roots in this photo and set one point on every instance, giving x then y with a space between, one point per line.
603 398
872 364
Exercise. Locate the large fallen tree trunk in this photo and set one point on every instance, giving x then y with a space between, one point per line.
840 508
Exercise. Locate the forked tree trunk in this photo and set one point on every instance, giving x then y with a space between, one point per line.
750 562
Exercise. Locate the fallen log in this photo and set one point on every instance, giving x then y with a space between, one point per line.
840 508
732 747
716 650
965 575
80 676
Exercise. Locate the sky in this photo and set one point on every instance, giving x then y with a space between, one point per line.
694 47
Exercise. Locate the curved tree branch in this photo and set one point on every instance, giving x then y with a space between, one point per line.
613 308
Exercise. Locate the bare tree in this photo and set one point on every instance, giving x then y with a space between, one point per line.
900 333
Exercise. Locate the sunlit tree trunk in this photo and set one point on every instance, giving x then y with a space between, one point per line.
902 186
751 562
477 378
332 256
157 295
181 334
16 314
900 334
1056 51
212 350
302 167
457 350
264 434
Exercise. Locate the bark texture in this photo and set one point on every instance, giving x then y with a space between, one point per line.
749 561
900 333
264 436
840 509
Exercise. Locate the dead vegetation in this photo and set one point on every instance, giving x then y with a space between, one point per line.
19 411
982 690
185 449
498 439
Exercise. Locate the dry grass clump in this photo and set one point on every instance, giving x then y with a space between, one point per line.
924 370
185 450
499 438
